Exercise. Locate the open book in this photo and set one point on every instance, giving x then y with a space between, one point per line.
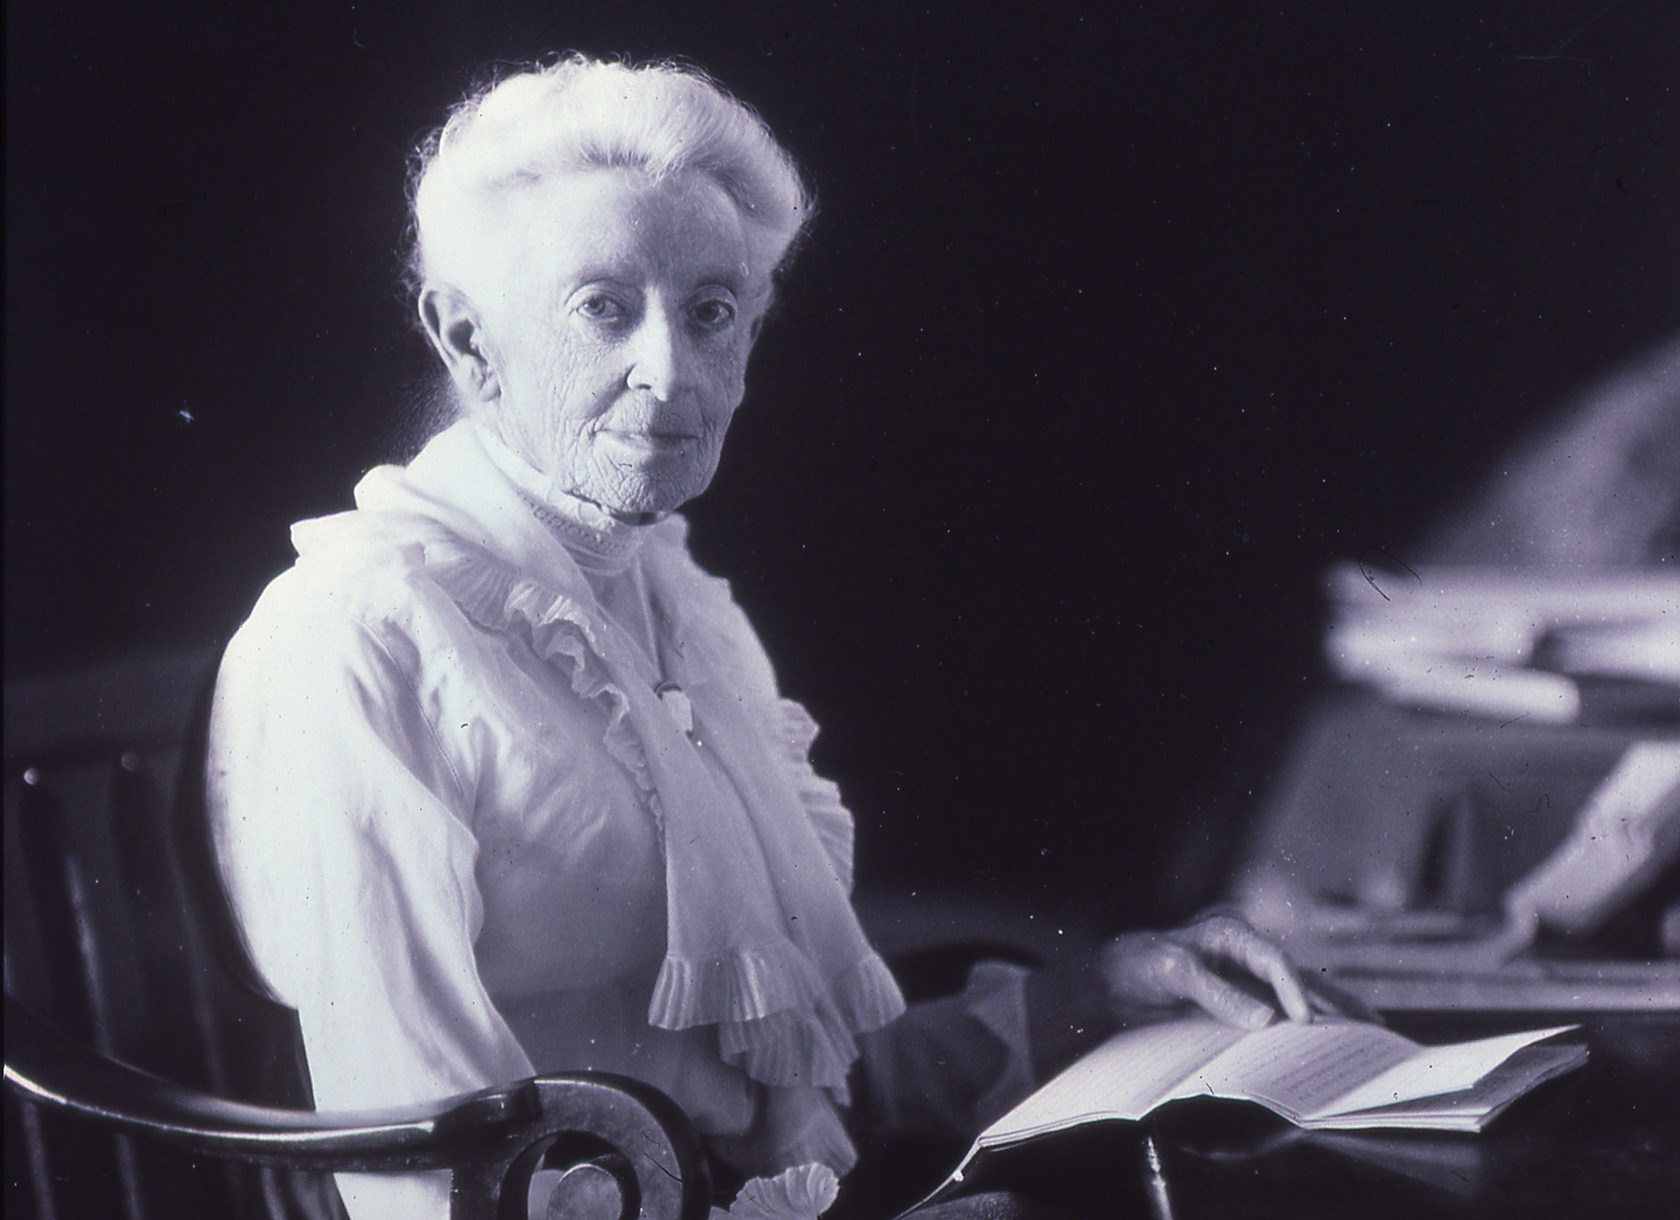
1329 1075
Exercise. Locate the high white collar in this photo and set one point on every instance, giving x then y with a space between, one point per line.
599 542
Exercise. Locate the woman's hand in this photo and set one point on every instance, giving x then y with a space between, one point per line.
1146 973
1147 976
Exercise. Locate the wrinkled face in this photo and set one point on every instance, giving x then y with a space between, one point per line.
620 333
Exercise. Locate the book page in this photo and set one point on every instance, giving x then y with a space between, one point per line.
1468 1109
1298 1069
1434 1070
1125 1077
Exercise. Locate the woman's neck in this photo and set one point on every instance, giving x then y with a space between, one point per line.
600 542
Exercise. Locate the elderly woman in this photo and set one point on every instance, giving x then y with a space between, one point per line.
501 781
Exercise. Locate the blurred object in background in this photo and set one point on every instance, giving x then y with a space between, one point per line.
1560 573
1487 813
1625 834
1512 642
1599 487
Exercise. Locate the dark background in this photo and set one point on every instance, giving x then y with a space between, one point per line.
1118 323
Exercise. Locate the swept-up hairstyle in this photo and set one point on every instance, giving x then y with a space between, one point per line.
579 113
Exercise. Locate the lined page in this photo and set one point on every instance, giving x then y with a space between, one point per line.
1299 1069
1125 1077
1471 1109
1435 1070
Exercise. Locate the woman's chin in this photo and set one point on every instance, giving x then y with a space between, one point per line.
650 489
643 501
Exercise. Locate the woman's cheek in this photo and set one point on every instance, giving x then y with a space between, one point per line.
728 372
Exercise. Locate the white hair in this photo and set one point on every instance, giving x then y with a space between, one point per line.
579 113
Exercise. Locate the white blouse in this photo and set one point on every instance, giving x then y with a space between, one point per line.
501 786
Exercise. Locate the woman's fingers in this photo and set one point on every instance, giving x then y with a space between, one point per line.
1234 941
1152 972
1190 979
1146 970
1333 1001
1269 962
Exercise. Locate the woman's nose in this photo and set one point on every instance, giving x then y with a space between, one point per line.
659 359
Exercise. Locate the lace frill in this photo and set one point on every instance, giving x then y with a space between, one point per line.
497 600
821 797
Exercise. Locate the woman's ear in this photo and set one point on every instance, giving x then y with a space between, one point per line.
453 325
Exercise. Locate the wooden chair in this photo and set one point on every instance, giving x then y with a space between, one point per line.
149 1074
623 1148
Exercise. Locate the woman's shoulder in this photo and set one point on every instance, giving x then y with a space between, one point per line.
360 580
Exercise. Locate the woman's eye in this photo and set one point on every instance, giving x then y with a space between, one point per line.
714 313
600 309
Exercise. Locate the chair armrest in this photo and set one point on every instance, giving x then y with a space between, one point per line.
493 1139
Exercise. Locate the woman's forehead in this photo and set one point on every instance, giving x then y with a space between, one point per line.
610 223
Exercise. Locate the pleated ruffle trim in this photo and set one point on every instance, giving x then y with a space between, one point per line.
775 1019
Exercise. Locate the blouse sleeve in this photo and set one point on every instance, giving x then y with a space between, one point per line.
338 828
948 1066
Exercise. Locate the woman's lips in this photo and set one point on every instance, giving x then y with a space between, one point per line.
656 443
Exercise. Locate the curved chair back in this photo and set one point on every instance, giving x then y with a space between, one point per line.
149 1022
623 1148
